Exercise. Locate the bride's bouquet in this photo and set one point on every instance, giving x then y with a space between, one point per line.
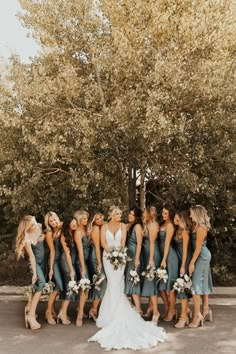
183 284
98 278
134 277
161 274
149 273
118 257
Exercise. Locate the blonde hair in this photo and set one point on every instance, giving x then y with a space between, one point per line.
46 220
184 221
91 222
152 213
21 233
79 214
112 210
200 216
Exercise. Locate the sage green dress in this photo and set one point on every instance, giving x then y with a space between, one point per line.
57 272
201 278
131 244
39 253
172 262
95 293
178 244
149 288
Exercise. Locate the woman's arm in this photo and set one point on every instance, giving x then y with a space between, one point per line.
79 246
139 237
185 236
152 230
95 236
201 235
169 234
103 238
68 257
124 235
32 261
50 243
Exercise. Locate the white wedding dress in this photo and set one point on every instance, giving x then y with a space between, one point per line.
122 327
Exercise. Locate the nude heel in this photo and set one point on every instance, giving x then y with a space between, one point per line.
198 323
208 316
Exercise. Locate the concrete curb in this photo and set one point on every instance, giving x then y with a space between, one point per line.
218 291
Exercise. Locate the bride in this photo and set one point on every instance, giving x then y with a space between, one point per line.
121 326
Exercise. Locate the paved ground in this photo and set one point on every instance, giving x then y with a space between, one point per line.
217 337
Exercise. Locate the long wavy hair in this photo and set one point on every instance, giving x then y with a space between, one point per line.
184 221
91 221
171 211
79 214
200 216
152 213
138 218
46 220
23 227
68 234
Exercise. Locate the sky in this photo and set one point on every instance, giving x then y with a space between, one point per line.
13 36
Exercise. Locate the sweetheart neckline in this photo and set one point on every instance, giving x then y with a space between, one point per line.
113 235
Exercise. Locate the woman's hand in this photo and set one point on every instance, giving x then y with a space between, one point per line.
191 268
34 278
182 271
83 273
163 264
151 262
136 263
50 274
99 267
72 275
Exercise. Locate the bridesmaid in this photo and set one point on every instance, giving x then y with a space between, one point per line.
169 261
134 245
68 266
182 246
29 239
150 256
53 235
94 231
83 246
199 266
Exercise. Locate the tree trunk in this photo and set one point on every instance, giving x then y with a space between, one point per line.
132 186
142 195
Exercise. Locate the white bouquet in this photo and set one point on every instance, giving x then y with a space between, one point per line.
118 257
48 288
29 291
98 278
73 288
183 284
84 285
134 277
161 274
149 273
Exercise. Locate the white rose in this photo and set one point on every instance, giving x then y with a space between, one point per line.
115 254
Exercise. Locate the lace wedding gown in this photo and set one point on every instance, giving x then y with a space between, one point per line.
122 327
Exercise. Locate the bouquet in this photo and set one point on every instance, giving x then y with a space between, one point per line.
73 288
134 277
183 284
48 288
29 291
118 257
149 273
161 274
98 278
84 285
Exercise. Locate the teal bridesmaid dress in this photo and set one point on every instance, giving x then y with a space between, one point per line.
172 263
149 288
86 251
94 293
201 277
66 272
178 244
131 244
57 272
39 253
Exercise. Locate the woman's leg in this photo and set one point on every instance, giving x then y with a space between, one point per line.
165 300
172 310
137 302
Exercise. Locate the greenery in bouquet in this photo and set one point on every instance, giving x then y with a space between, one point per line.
118 257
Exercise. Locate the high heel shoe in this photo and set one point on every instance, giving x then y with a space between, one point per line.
196 323
171 317
182 323
93 314
31 322
63 318
79 321
148 313
208 316
155 318
49 318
